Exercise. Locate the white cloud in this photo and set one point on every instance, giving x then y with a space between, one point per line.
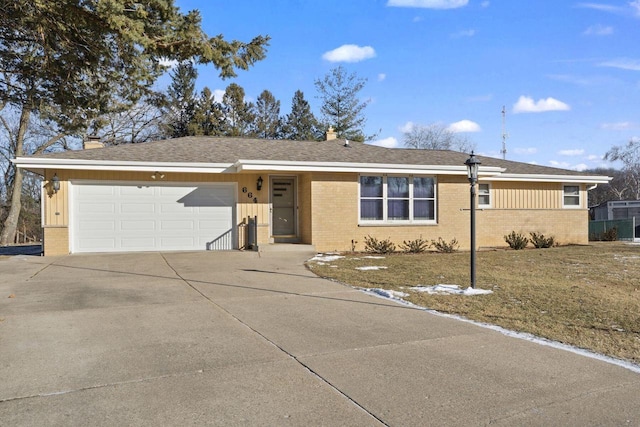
429 4
464 126
575 152
622 63
600 7
593 157
349 53
580 167
168 63
418 19
563 165
407 127
526 104
617 126
598 30
464 33
485 4
381 77
390 142
218 94
635 5
525 150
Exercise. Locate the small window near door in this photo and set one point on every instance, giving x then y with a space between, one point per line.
571 196
484 196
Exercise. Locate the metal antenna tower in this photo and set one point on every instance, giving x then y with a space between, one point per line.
505 135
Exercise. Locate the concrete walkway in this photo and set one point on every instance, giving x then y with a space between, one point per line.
231 338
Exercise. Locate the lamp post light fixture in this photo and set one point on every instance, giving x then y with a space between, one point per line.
473 164
55 183
259 183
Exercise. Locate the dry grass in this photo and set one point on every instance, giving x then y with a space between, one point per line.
586 296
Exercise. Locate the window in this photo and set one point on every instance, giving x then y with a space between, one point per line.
484 195
371 201
571 197
397 199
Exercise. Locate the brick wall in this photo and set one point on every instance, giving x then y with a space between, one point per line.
56 241
335 216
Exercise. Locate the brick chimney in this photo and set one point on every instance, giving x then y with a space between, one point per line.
331 134
92 141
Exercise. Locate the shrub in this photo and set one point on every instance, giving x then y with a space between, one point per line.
516 240
416 246
445 247
375 246
540 241
611 235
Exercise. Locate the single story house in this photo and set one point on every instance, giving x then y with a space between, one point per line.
199 193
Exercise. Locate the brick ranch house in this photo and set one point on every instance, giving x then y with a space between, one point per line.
198 193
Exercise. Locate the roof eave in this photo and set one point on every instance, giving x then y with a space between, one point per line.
39 165
585 179
296 166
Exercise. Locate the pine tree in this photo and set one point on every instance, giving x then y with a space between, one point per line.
238 114
341 107
301 124
267 113
181 94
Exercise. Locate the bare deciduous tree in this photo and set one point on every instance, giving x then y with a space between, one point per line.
436 137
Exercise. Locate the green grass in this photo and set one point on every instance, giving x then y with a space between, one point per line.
586 296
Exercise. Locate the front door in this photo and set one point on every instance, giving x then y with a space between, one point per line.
284 209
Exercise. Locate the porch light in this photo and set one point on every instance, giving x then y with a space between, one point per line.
473 164
156 175
55 183
259 183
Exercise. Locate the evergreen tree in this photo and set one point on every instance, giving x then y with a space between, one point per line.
267 116
238 114
301 124
181 102
341 107
208 117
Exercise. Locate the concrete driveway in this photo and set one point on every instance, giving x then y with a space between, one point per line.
231 338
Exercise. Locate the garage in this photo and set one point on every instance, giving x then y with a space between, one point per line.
116 217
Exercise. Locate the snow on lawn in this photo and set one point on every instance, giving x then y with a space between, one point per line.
371 267
326 258
374 257
450 289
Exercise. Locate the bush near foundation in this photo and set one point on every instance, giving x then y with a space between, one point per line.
540 241
442 246
375 246
516 241
416 246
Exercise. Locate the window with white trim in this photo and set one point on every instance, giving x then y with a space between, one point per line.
484 195
571 196
397 199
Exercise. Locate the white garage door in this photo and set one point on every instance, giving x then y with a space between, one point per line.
122 218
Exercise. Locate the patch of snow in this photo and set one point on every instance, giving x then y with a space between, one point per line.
385 293
326 257
371 267
450 289
333 266
374 257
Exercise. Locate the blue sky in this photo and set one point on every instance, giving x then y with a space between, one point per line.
567 72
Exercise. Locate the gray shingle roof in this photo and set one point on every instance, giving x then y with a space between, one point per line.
202 149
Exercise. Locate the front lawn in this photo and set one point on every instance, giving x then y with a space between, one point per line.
586 296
